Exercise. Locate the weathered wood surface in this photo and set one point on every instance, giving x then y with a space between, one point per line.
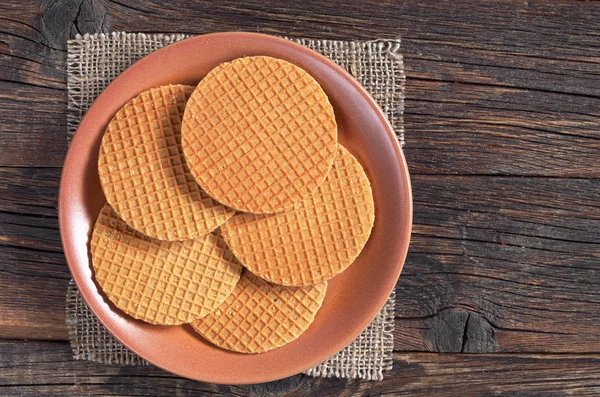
500 264
512 87
32 369
502 115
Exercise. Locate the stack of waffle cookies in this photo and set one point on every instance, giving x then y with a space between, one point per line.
229 205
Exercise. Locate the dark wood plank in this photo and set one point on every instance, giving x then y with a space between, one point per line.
32 125
29 231
33 277
502 264
32 89
33 369
32 307
32 191
509 88
497 89
33 272
496 264
459 128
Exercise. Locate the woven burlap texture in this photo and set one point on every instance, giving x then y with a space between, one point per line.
95 60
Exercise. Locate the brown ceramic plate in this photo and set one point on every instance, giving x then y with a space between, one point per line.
353 298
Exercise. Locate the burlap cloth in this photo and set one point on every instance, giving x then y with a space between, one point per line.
95 60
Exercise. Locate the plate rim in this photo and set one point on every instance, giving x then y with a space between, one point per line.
63 202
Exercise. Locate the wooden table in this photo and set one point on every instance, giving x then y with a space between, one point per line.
502 130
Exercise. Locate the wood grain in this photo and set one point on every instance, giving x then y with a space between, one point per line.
32 89
40 368
33 272
497 264
502 264
501 122
512 87
33 277
477 129
32 191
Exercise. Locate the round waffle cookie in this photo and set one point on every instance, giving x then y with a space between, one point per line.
161 282
319 238
259 316
259 134
144 174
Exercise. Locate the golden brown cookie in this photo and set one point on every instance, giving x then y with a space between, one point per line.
259 134
161 282
319 238
259 316
144 174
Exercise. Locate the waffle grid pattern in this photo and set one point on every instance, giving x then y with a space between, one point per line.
157 281
93 61
143 170
259 135
259 316
319 238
